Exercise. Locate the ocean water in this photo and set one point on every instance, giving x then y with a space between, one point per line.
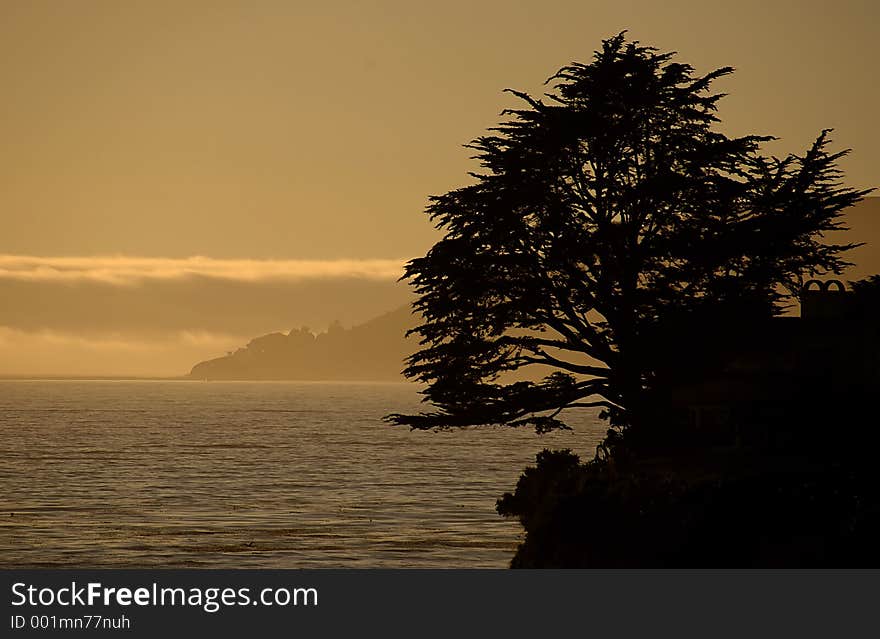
239 474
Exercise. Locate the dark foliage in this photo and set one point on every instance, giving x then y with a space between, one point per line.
799 489
785 514
735 509
602 210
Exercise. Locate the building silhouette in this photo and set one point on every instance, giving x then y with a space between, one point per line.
776 381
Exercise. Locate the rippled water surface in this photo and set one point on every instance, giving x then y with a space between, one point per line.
237 474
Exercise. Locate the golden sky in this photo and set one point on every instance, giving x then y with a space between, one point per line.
300 132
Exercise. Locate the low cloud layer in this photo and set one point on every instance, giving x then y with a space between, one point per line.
194 304
49 352
123 270
158 316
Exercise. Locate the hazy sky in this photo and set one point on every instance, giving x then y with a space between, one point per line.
289 131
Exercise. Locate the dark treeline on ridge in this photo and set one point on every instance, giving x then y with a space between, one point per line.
374 351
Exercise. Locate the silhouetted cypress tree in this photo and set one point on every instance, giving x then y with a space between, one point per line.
601 209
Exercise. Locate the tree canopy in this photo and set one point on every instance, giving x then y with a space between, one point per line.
603 209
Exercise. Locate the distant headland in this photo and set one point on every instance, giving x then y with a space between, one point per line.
373 351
